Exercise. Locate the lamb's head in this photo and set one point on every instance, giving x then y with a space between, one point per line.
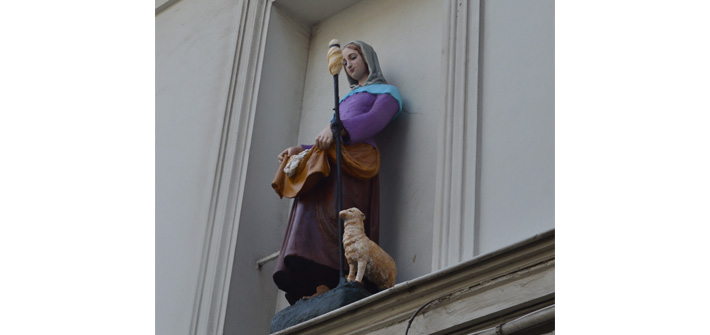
352 215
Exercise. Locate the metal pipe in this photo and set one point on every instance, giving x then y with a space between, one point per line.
261 262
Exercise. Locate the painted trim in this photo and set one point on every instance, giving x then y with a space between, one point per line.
455 212
496 287
228 188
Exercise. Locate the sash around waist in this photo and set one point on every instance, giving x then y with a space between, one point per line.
359 160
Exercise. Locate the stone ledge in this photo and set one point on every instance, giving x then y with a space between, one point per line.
482 292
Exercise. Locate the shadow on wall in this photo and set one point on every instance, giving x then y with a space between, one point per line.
394 145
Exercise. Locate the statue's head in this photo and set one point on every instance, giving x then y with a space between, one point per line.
352 214
355 64
365 52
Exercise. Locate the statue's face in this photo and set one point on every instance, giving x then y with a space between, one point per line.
355 65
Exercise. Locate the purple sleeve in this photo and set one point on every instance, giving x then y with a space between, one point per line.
368 124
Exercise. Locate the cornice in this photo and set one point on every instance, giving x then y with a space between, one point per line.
466 297
165 6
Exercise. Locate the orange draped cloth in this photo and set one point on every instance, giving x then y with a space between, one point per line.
359 160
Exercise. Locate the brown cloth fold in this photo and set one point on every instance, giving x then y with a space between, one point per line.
359 160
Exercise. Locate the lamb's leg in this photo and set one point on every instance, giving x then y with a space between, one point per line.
361 265
351 274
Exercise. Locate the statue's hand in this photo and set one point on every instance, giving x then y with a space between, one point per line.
289 152
325 138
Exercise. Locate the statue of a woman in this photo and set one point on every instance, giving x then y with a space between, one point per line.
309 253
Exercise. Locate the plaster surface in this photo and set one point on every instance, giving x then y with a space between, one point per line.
195 45
193 54
517 132
312 12
264 216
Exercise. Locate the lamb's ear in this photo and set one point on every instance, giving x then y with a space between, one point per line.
362 216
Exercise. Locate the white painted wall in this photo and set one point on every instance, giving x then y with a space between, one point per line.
517 118
264 216
407 38
517 134
193 56
195 45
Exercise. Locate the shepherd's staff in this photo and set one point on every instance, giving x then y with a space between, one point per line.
335 64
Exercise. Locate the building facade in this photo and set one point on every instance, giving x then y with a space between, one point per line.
467 168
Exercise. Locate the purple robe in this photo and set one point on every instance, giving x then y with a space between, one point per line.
309 253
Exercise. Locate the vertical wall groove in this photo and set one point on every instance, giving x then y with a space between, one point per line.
462 49
479 130
454 216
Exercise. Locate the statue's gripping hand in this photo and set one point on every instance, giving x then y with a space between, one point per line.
324 138
289 152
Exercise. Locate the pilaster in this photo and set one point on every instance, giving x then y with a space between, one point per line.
455 216
228 189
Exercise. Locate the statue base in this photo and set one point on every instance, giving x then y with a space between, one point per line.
304 310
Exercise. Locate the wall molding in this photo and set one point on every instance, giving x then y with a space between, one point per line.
228 189
455 209
164 6
487 290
